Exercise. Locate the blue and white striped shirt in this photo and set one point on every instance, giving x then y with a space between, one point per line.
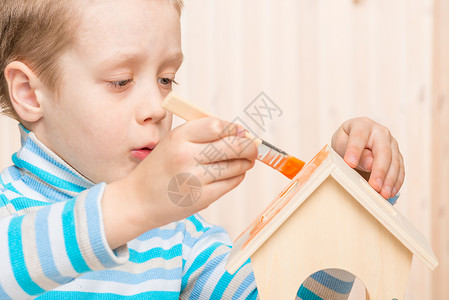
53 244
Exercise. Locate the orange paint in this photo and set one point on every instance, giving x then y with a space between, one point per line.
291 167
269 207
281 201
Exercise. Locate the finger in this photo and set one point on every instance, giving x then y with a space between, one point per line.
393 172
240 147
366 161
227 148
223 170
401 178
357 141
339 141
202 130
382 160
210 129
218 189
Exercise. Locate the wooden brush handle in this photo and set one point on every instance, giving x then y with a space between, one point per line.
182 108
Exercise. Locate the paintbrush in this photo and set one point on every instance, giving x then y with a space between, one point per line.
267 153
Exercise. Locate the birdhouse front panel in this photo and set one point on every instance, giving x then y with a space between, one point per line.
331 230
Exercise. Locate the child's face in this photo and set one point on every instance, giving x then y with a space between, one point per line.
114 80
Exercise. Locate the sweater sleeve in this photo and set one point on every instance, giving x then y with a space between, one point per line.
52 246
204 274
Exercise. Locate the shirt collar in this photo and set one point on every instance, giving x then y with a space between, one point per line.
40 164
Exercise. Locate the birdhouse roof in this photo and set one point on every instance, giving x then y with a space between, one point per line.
327 163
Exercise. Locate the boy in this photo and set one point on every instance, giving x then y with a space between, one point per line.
84 210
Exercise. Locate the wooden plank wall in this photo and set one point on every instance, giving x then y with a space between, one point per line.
323 62
440 146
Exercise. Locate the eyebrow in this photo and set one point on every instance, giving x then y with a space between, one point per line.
118 59
177 58
121 58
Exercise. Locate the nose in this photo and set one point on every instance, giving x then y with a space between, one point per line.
150 109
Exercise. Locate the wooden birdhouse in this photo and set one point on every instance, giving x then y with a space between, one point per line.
330 217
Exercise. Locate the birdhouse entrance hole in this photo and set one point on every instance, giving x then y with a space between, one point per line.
343 283
340 282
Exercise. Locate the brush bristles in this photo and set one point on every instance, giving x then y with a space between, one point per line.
291 167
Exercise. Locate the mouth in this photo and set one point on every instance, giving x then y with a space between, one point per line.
142 153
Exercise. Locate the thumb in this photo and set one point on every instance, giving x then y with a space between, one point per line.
209 129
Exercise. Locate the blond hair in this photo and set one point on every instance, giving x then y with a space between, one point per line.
37 32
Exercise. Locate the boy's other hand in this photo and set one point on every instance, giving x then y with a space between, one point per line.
369 147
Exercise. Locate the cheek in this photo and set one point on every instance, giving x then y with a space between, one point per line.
109 129
99 116
98 135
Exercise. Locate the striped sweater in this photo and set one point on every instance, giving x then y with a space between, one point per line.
53 245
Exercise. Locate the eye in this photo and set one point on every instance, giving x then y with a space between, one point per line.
167 82
121 84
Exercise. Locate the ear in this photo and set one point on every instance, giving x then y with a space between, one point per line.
23 85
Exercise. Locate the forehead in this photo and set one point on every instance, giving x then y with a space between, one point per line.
147 27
